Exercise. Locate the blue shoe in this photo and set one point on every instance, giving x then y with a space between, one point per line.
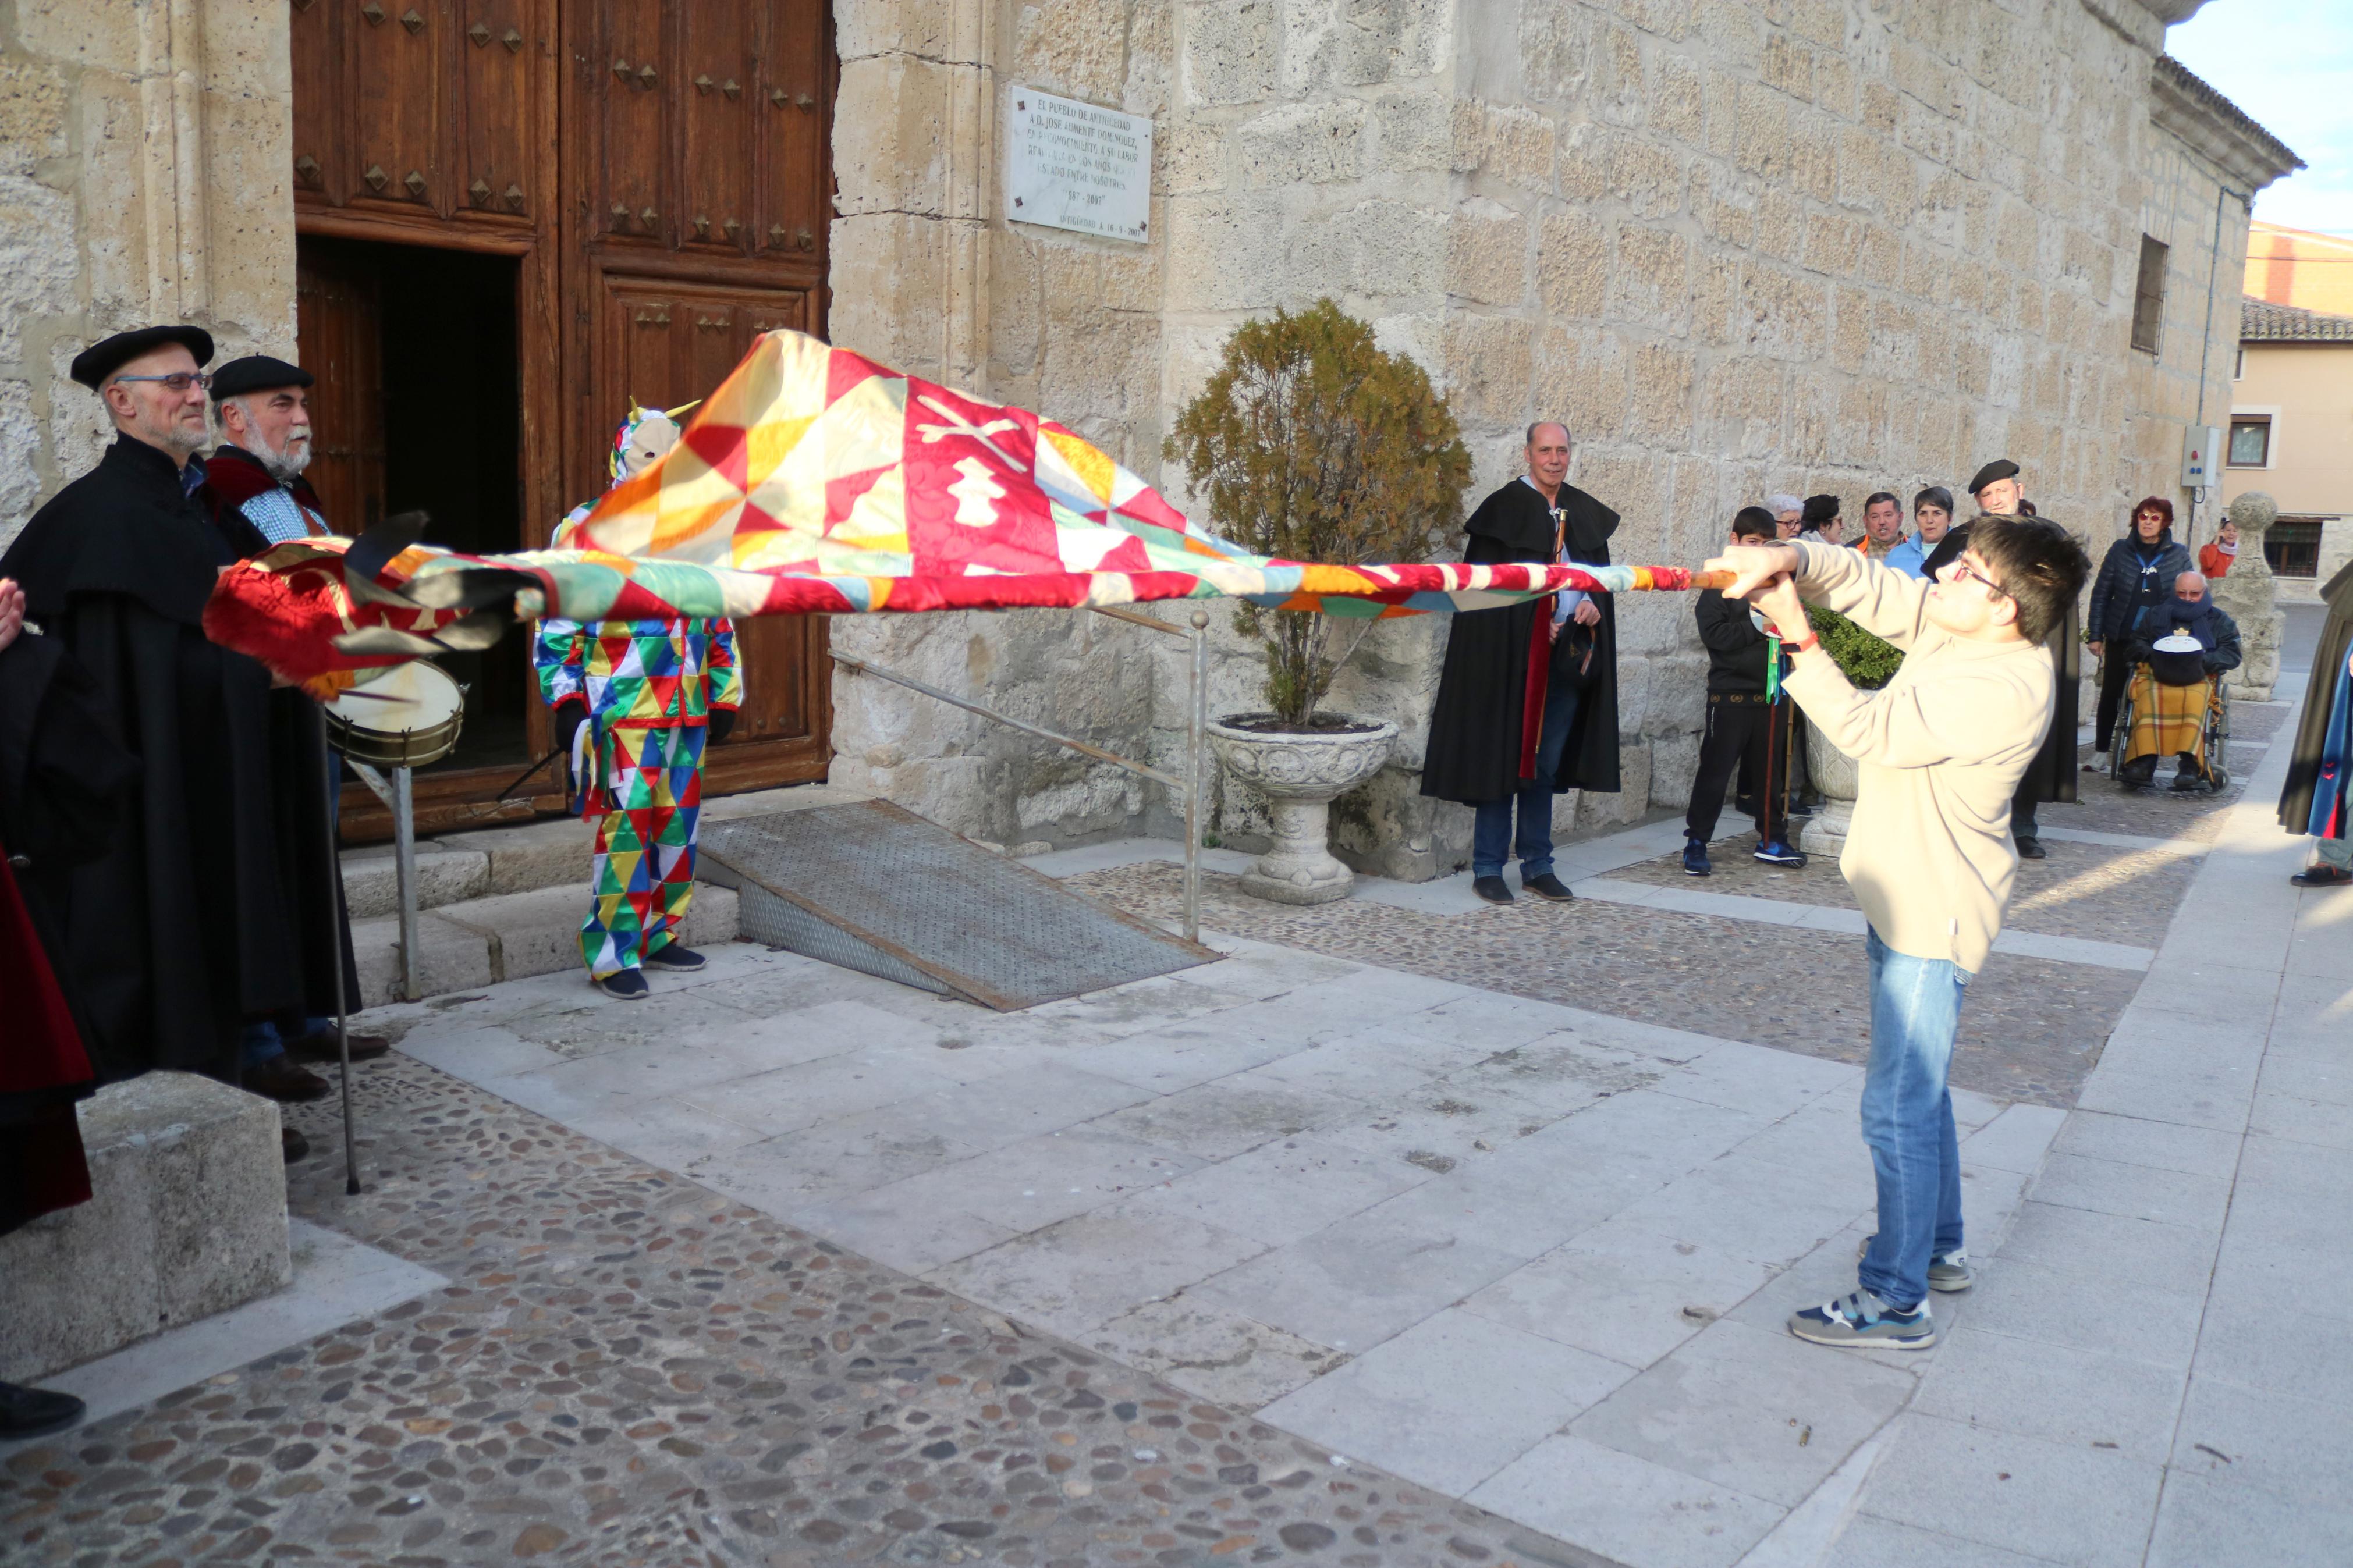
1695 859
1863 1322
625 985
676 958
1777 852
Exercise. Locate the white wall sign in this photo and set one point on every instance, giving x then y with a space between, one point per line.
1073 165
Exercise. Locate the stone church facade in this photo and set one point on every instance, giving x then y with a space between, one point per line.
1737 246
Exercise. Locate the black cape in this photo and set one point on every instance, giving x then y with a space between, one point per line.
2319 697
2051 775
1474 726
213 904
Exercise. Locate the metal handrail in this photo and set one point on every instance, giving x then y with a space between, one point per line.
1196 729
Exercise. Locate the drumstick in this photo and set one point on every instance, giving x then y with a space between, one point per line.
370 696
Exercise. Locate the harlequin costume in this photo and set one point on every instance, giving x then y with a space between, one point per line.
639 701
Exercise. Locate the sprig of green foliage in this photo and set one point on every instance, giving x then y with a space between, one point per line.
1868 660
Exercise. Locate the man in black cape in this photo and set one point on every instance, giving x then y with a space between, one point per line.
216 902
1527 704
2051 775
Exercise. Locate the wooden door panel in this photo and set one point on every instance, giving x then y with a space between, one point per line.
394 52
321 158
717 64
794 151
495 67
337 320
629 95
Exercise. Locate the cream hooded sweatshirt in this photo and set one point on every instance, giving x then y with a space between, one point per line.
1941 750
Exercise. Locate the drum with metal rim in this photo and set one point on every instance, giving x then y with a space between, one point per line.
408 717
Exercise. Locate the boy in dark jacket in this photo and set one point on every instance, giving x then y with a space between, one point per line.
1742 723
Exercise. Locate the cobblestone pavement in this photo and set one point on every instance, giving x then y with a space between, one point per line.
2032 1030
629 1370
2094 891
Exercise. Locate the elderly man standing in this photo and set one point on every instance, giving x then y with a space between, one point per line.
261 405
1527 704
2051 775
262 408
210 909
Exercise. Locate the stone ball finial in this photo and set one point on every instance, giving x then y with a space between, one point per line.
2253 512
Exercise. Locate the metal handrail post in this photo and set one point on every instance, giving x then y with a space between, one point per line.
404 865
1196 729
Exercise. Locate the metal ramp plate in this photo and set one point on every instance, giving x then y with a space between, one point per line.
872 886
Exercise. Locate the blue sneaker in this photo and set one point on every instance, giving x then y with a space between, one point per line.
1695 859
625 985
1863 1322
676 957
1777 852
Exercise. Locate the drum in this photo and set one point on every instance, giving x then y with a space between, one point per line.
2177 661
407 717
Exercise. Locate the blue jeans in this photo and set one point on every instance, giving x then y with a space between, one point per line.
1491 834
1907 1120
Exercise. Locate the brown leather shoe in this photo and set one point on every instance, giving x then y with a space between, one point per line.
320 1048
282 1081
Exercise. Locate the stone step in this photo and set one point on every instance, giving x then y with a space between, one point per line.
491 862
508 936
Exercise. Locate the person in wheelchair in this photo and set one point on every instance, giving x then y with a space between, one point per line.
2179 649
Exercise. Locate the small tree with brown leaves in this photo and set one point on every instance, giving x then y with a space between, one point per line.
1313 444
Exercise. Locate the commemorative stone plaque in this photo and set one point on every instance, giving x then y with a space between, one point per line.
1073 165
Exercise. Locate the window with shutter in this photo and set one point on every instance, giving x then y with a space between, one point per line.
2148 296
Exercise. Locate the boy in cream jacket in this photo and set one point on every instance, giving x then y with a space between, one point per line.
1941 750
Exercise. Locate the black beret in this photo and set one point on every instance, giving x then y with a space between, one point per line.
1999 469
95 364
258 372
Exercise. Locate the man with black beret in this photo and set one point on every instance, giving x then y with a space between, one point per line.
2051 775
261 406
212 907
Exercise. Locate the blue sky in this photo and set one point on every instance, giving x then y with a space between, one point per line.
2289 63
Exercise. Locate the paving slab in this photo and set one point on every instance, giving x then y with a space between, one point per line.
2089 1508
1401 1403
1631 1510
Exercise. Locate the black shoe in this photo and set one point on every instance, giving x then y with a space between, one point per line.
1695 862
2138 773
676 957
1798 808
292 1144
35 1412
281 1080
2031 849
1548 887
2322 875
623 984
1745 804
321 1047
1491 889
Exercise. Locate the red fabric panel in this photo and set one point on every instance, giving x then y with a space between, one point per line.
1532 705
43 1051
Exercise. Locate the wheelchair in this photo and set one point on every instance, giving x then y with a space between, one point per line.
2215 733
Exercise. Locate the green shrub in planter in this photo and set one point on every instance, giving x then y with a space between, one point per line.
1867 661
1312 443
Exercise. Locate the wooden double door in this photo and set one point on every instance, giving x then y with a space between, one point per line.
650 182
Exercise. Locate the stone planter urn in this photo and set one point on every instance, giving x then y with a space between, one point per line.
1300 772
1836 778
2249 594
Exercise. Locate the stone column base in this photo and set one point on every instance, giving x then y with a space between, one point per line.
1824 833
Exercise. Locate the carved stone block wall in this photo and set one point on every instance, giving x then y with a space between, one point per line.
145 168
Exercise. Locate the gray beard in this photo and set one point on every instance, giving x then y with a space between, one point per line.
282 466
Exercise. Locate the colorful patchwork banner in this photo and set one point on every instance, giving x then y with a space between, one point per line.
816 482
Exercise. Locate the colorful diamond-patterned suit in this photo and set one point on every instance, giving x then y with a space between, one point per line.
650 686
